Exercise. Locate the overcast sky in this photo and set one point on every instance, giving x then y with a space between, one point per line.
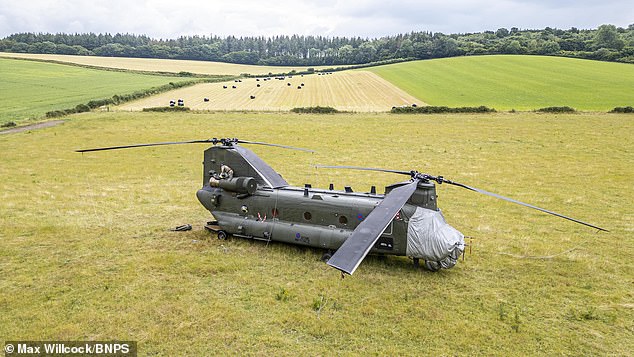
364 18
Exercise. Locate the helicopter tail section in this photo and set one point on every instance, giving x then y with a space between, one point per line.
243 162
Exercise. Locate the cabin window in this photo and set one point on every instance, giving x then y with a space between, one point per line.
343 219
275 212
308 216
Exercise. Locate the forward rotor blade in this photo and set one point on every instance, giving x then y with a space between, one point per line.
351 253
440 179
522 203
143 145
364 169
276 145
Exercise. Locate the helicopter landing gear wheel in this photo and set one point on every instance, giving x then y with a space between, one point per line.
222 235
326 257
432 266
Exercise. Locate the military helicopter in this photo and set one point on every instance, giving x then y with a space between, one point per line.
249 199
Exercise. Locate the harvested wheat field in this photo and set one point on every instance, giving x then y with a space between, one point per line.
160 65
357 91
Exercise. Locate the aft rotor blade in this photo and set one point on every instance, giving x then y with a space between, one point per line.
364 169
143 145
266 172
352 252
276 145
522 203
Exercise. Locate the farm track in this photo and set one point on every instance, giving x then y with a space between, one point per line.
46 124
357 91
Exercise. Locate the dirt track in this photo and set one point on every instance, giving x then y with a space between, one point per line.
46 124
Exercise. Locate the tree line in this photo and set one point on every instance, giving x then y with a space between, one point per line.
607 43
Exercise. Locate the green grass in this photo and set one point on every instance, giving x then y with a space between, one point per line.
515 82
30 89
85 251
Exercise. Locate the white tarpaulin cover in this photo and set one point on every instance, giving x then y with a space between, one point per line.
429 237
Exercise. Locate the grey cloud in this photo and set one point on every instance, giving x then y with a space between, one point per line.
364 18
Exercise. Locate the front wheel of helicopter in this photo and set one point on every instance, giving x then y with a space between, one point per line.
432 266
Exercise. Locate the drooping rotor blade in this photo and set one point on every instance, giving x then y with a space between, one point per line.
364 169
440 179
276 145
214 141
348 257
521 203
266 172
143 145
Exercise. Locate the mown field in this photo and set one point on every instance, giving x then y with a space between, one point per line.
162 65
30 89
359 91
85 251
515 82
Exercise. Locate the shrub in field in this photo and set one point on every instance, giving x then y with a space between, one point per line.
81 108
556 110
441 109
627 109
317 109
166 109
8 124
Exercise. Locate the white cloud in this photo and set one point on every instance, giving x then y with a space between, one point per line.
364 18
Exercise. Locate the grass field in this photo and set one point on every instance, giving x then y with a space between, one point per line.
359 91
515 82
30 89
85 251
162 65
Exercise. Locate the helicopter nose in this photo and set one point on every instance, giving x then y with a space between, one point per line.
429 237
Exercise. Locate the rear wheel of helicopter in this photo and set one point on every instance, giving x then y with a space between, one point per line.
326 257
222 235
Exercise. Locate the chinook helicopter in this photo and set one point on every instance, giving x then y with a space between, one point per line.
249 199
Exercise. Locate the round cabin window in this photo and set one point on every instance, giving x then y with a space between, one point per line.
307 216
343 219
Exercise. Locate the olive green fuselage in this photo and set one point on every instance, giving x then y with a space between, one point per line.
313 217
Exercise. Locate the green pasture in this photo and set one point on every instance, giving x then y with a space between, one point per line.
86 254
30 89
515 82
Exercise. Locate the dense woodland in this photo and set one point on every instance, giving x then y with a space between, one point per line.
607 43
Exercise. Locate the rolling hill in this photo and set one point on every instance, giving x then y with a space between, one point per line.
161 65
515 82
30 89
357 91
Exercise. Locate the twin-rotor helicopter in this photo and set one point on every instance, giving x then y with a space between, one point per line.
249 199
